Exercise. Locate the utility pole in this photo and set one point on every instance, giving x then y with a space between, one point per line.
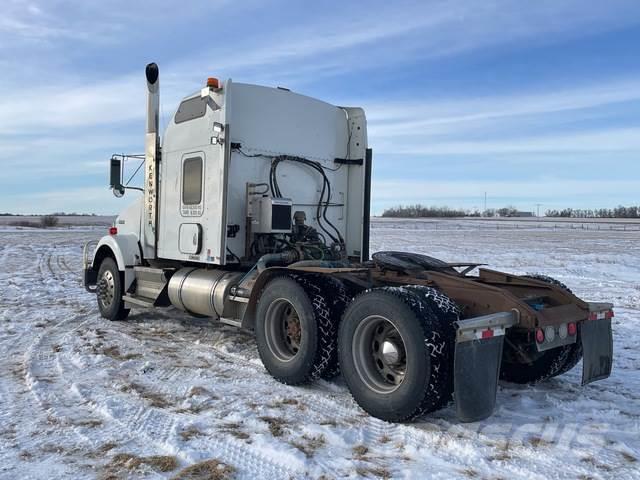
485 204
538 209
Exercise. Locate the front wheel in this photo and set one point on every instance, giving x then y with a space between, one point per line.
109 291
394 353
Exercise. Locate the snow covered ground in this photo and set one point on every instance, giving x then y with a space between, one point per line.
164 392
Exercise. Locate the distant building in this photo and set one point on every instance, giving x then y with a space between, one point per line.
522 214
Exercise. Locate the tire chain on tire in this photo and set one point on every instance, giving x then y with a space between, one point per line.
449 312
327 322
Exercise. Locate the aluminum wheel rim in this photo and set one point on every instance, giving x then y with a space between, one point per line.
283 330
379 354
106 289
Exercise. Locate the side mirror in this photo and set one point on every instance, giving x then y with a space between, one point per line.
115 179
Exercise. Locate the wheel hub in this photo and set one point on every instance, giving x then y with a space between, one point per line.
379 354
293 329
283 330
106 289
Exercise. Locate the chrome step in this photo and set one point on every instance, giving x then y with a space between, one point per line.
231 321
151 283
138 301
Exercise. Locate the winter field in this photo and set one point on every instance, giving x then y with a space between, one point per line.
164 395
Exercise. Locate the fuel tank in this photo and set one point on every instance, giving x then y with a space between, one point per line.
202 291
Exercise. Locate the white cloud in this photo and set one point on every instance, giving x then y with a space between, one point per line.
600 140
75 110
414 116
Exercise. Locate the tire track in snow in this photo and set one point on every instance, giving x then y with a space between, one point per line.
150 424
328 405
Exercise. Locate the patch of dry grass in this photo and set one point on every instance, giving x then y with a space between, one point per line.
277 426
235 429
208 470
329 423
287 402
130 462
469 472
90 423
593 461
360 451
500 456
373 472
539 442
114 352
190 432
309 445
199 391
154 399
25 455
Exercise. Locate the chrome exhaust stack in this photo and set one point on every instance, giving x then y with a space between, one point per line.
152 150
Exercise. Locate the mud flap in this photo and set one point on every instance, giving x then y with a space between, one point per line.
89 280
597 349
477 360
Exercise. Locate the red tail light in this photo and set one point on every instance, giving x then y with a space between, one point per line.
113 230
572 329
488 333
539 335
601 315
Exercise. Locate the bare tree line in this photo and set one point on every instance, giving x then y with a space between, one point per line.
617 212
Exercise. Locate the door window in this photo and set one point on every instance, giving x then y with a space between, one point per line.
192 186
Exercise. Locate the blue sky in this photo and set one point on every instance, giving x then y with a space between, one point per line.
531 102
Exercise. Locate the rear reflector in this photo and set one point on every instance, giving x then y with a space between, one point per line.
113 230
488 333
601 315
562 331
539 336
550 333
572 329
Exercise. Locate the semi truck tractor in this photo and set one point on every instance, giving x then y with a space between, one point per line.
254 212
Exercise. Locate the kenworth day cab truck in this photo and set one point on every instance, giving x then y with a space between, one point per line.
255 212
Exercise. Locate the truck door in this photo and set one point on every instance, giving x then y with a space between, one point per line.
191 203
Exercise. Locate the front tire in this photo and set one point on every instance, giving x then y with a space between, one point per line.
395 353
109 291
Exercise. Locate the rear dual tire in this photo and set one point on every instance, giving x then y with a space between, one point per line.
296 327
532 366
396 351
